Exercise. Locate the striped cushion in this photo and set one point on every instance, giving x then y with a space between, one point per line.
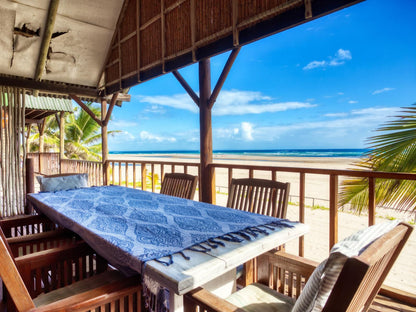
257 297
324 277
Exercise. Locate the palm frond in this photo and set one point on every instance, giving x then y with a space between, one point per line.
392 151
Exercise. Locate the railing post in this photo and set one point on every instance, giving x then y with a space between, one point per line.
371 201
302 211
333 210
30 183
144 186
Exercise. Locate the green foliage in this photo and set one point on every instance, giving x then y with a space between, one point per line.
392 151
82 135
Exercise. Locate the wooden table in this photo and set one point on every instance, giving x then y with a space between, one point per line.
214 269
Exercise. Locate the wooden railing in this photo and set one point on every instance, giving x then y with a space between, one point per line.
45 163
334 176
146 175
93 168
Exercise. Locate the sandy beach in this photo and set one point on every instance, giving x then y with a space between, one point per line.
403 274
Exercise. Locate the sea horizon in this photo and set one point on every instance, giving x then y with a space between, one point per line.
338 152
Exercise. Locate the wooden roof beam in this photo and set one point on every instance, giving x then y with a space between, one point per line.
86 109
46 40
223 76
186 86
110 110
49 87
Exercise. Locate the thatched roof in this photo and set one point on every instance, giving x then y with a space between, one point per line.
93 48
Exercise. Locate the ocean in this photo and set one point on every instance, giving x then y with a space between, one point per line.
347 152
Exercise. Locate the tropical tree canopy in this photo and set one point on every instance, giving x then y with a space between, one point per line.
392 151
82 134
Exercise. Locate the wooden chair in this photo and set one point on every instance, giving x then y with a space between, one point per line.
354 290
31 233
26 224
259 196
179 184
83 282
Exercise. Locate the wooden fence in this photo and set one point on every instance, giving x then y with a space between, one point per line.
148 175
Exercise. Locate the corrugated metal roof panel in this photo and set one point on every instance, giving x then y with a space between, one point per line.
48 103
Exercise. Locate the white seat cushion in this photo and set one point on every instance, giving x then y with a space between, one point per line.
260 298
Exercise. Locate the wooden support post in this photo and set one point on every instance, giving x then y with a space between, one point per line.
30 183
302 211
371 201
333 210
61 139
104 141
206 178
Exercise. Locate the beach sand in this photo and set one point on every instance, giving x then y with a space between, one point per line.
403 274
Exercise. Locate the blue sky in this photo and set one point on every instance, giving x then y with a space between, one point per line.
328 83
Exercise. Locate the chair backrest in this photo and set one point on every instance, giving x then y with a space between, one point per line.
179 184
12 279
265 197
361 277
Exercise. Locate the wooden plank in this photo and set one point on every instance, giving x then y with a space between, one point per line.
186 86
333 210
371 201
302 210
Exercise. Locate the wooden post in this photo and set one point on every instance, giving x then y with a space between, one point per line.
302 211
333 210
30 182
205 126
371 201
61 139
104 141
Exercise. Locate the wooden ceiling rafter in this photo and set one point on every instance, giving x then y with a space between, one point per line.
86 109
169 35
103 122
46 40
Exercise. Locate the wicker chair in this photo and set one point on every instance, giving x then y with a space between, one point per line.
259 196
354 289
179 184
73 277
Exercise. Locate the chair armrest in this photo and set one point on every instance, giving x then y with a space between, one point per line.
112 293
57 267
28 224
207 301
292 263
22 245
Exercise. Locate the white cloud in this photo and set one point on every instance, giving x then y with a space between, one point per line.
229 102
382 91
247 131
236 102
336 115
352 102
360 121
146 136
315 64
117 124
341 56
179 101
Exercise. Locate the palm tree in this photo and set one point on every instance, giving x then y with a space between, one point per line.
392 151
82 134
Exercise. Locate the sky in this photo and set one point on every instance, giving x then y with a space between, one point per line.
329 83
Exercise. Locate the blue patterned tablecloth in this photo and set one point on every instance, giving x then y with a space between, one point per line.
129 226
